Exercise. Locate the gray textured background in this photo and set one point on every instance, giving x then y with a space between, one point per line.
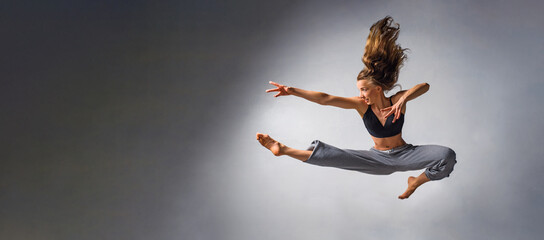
137 120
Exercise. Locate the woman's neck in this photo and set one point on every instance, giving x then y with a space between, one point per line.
381 102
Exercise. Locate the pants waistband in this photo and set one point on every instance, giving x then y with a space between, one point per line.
395 149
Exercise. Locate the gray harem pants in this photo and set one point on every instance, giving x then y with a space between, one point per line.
437 160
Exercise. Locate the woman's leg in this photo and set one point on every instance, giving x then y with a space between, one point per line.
279 149
438 160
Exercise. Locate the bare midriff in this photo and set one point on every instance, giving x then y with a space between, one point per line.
388 142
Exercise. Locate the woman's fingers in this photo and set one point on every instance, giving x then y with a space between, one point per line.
397 113
275 84
281 89
389 113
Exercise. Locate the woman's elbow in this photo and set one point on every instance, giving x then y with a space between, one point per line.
425 87
323 99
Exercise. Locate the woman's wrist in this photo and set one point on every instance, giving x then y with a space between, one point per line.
290 90
403 99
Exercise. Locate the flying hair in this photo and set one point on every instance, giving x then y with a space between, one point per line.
383 57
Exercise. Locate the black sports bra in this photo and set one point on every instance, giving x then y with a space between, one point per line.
375 127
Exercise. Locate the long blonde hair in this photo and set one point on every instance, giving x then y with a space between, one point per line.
383 57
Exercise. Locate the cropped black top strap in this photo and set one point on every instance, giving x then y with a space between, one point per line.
375 127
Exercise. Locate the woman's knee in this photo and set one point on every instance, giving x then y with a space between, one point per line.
450 155
450 159
444 167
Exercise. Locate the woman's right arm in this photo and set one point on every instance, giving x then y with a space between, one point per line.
319 97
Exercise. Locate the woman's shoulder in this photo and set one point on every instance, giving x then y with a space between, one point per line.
362 107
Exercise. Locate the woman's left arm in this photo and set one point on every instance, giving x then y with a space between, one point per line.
405 96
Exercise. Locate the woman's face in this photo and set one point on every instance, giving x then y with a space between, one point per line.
368 91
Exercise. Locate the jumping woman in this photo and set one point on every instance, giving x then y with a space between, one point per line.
383 118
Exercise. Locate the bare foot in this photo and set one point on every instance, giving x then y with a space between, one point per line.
412 186
274 146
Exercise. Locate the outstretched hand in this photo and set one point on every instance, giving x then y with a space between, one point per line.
281 89
396 109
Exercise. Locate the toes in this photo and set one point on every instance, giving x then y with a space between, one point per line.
261 135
